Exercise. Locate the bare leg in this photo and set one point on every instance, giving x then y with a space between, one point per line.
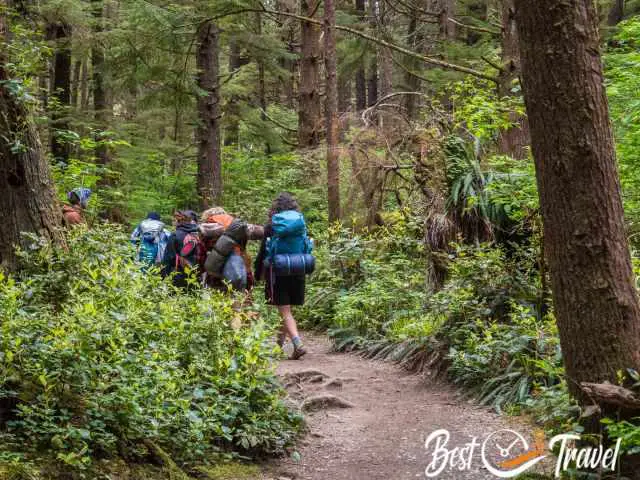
289 325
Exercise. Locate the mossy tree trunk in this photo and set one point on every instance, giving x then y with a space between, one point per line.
28 198
208 133
594 295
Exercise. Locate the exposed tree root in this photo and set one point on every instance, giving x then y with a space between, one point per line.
294 378
333 383
320 402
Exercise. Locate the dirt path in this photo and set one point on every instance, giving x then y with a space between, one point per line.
382 435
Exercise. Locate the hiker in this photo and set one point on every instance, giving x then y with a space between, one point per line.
184 249
150 238
284 260
73 214
223 236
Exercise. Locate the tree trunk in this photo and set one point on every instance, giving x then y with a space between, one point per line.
100 102
515 140
344 103
84 86
331 111
616 13
585 242
344 93
232 110
28 197
75 84
309 106
412 83
361 78
386 70
60 32
447 27
262 92
208 133
372 77
288 37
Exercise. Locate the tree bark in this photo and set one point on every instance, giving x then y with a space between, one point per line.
331 111
515 140
616 13
412 83
386 69
447 27
594 296
84 86
262 92
60 32
101 104
232 110
372 74
28 196
75 84
360 76
344 93
309 106
288 37
208 133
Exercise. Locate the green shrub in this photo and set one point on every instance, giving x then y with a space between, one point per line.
98 357
504 362
368 282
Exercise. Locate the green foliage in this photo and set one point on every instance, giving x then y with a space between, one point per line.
99 358
252 180
367 282
480 111
554 408
622 73
504 361
628 431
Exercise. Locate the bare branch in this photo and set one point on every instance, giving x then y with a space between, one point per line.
392 46
473 27
276 122
493 64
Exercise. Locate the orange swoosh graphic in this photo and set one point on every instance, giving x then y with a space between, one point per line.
536 451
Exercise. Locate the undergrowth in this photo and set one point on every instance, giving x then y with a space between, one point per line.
101 360
489 329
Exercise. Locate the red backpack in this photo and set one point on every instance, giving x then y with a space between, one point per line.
192 253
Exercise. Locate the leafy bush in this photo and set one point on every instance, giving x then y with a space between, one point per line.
98 358
503 362
368 282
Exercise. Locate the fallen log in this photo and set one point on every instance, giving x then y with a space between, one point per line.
609 394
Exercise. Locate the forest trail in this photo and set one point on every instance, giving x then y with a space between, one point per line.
382 435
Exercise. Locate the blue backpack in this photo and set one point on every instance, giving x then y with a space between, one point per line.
152 242
288 250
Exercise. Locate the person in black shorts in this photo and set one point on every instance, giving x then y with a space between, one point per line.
282 292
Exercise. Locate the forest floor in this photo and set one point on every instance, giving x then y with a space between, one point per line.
380 431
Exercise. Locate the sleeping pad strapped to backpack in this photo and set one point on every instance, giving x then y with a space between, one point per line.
288 250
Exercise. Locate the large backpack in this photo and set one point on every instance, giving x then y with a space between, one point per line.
225 256
151 242
191 252
288 250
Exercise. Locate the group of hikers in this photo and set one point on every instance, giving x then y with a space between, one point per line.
210 251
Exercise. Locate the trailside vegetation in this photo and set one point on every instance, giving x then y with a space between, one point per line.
462 224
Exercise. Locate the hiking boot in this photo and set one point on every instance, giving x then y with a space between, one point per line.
298 352
281 341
